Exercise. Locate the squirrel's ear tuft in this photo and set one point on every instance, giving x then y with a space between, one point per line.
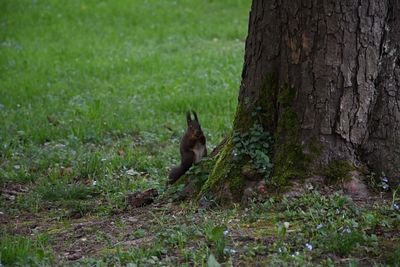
195 115
188 117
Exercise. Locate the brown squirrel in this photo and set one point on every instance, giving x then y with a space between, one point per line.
192 148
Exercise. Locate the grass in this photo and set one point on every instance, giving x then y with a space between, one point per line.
92 90
87 69
20 251
93 97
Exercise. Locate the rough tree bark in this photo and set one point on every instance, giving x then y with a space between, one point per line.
326 75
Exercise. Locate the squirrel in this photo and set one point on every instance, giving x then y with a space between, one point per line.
192 148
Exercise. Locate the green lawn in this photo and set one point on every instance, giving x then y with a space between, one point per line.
80 79
93 97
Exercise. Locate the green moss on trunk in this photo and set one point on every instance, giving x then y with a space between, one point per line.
226 175
274 109
289 159
338 170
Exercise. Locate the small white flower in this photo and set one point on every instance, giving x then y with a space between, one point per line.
59 146
17 167
279 250
309 187
226 232
385 179
229 251
395 206
309 246
347 230
296 254
319 226
103 159
132 172
385 187
94 183
286 224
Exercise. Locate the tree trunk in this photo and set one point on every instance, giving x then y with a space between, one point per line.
323 77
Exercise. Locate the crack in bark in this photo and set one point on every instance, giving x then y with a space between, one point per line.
356 96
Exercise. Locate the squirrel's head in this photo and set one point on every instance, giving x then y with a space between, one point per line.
193 125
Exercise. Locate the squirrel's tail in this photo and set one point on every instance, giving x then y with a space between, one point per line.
176 173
